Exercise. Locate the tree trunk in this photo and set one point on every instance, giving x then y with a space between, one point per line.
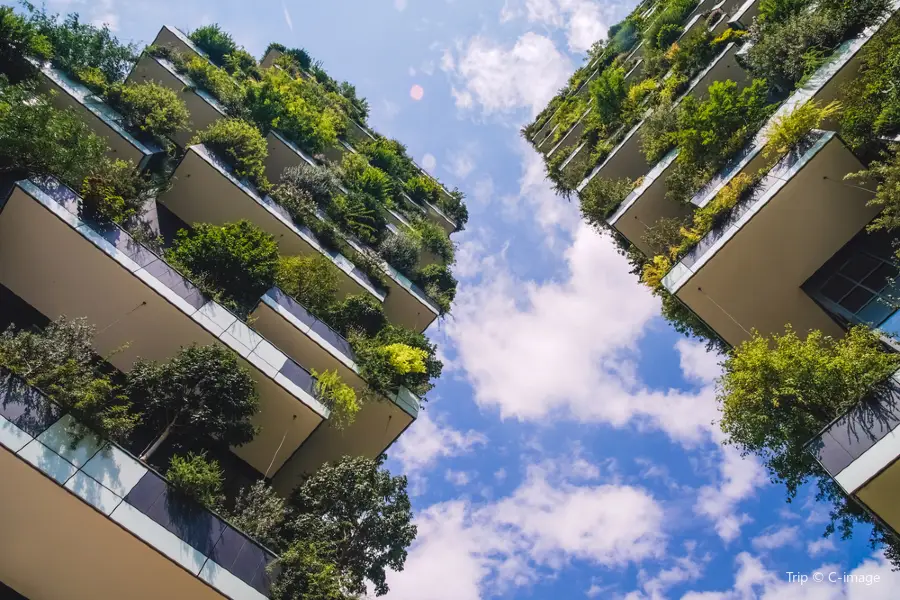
155 446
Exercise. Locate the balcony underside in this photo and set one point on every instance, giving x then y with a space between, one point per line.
283 154
44 254
723 68
203 113
881 493
204 193
56 546
626 161
749 275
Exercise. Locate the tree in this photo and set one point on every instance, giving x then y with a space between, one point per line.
261 513
311 280
196 477
19 39
201 393
37 139
215 42
355 515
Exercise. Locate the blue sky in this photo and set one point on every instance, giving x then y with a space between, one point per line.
569 451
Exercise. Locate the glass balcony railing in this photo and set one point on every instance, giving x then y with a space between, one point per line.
130 494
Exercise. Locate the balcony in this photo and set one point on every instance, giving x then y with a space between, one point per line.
74 503
269 59
859 450
143 308
745 15
100 117
799 216
626 161
314 344
283 154
202 106
206 191
634 74
724 67
572 137
646 205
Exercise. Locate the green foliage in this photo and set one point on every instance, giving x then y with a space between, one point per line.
660 132
339 397
384 369
887 196
401 250
213 79
117 193
434 239
777 393
312 280
439 283
321 184
360 214
777 11
390 156
60 362
423 188
872 98
299 108
357 314
601 197
241 145
360 520
242 64
237 262
151 108
19 38
260 513
307 573
667 35
609 92
202 394
360 176
787 131
78 46
674 13
453 205
215 42
196 477
37 139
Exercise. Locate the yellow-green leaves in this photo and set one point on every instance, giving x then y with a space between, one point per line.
789 130
405 359
339 397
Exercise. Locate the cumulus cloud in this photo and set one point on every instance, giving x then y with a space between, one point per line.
468 552
696 363
500 79
584 21
427 441
820 546
461 164
777 538
739 479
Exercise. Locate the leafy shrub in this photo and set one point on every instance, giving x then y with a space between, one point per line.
260 513
320 183
887 173
387 370
19 38
872 98
37 139
311 280
357 314
777 11
787 131
359 175
359 214
668 34
299 108
338 397
242 64
660 132
601 197
707 217
390 156
439 283
215 42
664 234
434 239
196 477
405 359
671 16
237 262
241 145
60 362
78 46
118 193
453 206
214 80
423 188
609 92
401 250
151 108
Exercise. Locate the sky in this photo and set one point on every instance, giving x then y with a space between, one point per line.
570 450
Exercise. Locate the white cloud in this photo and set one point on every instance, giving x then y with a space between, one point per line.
483 190
287 17
778 538
468 552
696 363
458 478
584 21
754 581
820 546
683 569
501 79
461 164
426 441
739 479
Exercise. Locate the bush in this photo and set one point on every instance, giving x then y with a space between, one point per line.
359 214
60 362
38 140
357 314
298 108
149 107
239 144
117 193
242 64
454 207
391 359
260 513
423 188
439 283
609 92
19 38
390 156
215 42
360 176
668 34
434 239
197 478
660 132
320 183
211 78
601 198
777 11
674 13
79 46
872 99
311 280
887 173
787 131
237 263
401 250
338 397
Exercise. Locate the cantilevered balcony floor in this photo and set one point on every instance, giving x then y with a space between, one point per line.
84 520
143 308
312 343
100 117
205 191
748 273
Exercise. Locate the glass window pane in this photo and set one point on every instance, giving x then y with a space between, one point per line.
856 299
880 277
859 267
836 288
875 312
